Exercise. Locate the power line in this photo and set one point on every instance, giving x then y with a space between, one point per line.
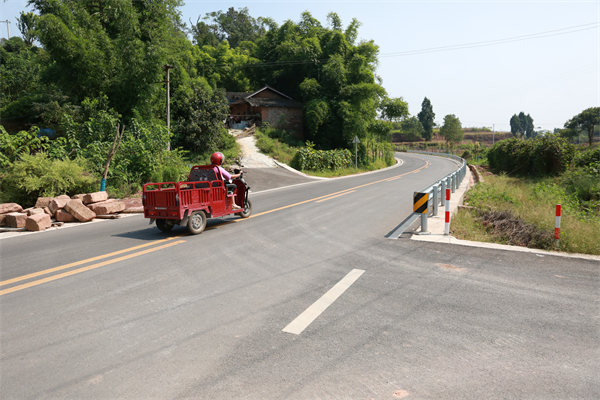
578 72
556 32
539 35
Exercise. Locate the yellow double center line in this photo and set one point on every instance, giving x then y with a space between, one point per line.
84 269
164 246
341 193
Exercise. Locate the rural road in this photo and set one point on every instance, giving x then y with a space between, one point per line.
307 299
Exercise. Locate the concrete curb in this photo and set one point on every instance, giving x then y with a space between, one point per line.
399 162
15 232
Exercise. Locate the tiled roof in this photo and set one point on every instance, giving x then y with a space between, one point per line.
267 102
255 100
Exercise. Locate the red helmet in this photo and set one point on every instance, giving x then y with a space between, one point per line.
217 158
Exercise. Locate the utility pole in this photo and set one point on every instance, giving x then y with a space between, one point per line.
7 22
168 67
356 141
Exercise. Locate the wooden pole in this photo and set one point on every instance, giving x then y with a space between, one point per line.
111 153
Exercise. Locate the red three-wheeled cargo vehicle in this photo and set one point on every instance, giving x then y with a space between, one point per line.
206 194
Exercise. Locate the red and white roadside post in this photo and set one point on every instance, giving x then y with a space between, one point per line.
557 226
447 227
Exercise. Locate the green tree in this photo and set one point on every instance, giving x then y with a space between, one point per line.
521 126
334 78
515 126
585 120
426 117
26 25
234 26
393 109
225 67
526 123
113 47
412 129
200 126
20 67
204 34
452 131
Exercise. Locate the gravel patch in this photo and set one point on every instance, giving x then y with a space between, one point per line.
251 155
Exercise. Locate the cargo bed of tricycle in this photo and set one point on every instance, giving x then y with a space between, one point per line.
204 195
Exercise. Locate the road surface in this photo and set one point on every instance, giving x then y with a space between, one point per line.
307 299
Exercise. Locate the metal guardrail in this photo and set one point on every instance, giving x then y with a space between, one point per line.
437 189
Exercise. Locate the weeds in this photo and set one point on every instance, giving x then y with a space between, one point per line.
277 149
522 212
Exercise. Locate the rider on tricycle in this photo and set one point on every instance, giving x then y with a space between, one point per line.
209 192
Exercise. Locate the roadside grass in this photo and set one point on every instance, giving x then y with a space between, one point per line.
282 152
276 149
532 202
378 164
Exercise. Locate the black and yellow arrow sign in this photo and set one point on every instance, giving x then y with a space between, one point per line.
420 202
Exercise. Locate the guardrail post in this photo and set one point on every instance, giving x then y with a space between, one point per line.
447 224
424 230
443 188
435 200
421 206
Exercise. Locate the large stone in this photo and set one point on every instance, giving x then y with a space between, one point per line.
63 196
79 211
111 206
2 219
16 220
38 222
133 210
33 210
57 204
6 208
78 197
64 216
95 197
43 202
47 211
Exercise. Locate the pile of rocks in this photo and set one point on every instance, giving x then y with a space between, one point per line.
55 211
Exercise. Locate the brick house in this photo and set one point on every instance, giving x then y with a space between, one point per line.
265 105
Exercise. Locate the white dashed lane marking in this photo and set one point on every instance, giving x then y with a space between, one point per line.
307 317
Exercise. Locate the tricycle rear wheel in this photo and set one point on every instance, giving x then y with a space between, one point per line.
247 209
197 222
163 225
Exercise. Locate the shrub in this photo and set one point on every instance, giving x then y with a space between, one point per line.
551 155
172 167
281 135
589 157
27 142
139 154
546 155
37 175
584 183
307 158
510 156
278 150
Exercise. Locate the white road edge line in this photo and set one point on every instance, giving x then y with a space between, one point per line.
311 313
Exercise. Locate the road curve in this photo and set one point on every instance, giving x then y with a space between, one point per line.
122 310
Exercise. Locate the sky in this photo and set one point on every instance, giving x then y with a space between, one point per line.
482 61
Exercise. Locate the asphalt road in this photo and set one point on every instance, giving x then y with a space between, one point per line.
131 312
